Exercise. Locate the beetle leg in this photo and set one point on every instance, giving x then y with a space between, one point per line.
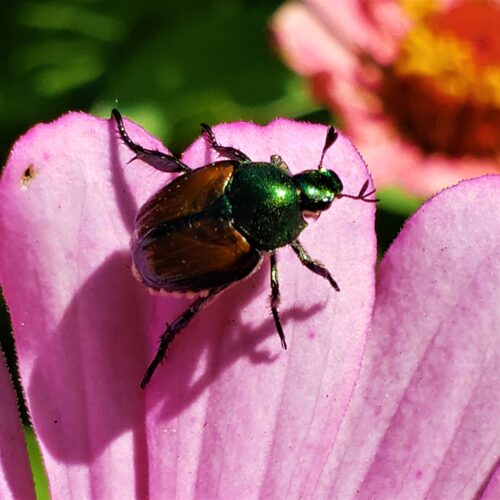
227 151
313 265
275 299
161 161
174 328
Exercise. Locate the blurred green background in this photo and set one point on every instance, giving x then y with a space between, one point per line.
167 65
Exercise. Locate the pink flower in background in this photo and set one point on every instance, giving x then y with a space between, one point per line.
229 414
416 84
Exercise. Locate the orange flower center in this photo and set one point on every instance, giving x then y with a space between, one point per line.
444 88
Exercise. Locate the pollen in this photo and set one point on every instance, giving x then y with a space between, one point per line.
453 63
418 9
445 83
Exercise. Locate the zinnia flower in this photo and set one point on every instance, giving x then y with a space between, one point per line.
415 83
229 414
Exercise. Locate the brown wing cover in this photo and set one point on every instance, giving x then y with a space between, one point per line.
186 195
203 254
194 250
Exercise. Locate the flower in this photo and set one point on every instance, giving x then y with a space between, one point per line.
229 411
415 83
229 414
422 422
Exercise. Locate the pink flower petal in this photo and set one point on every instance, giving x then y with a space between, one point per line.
423 422
15 472
299 33
492 486
395 161
229 413
343 48
352 22
78 315
245 417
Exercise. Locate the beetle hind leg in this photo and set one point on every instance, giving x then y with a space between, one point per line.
313 265
174 328
227 151
161 161
275 299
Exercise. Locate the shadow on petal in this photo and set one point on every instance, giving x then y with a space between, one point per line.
221 335
84 391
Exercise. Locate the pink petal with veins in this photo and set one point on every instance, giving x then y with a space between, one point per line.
78 315
423 422
492 485
245 418
228 413
298 31
354 24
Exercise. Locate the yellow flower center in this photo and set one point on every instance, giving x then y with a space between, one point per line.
444 87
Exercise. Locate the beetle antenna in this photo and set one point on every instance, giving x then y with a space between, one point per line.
362 195
331 137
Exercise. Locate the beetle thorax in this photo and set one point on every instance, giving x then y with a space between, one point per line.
265 205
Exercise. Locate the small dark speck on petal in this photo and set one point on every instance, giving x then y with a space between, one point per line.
28 175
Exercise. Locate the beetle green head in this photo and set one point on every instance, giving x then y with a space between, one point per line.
318 188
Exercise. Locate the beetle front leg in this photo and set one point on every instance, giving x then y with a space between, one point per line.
161 161
173 329
227 151
313 265
275 299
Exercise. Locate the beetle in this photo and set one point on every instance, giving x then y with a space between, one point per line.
213 226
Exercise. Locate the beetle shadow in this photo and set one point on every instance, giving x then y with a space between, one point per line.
243 342
123 196
221 344
84 389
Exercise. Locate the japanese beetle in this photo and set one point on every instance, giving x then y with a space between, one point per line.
213 226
